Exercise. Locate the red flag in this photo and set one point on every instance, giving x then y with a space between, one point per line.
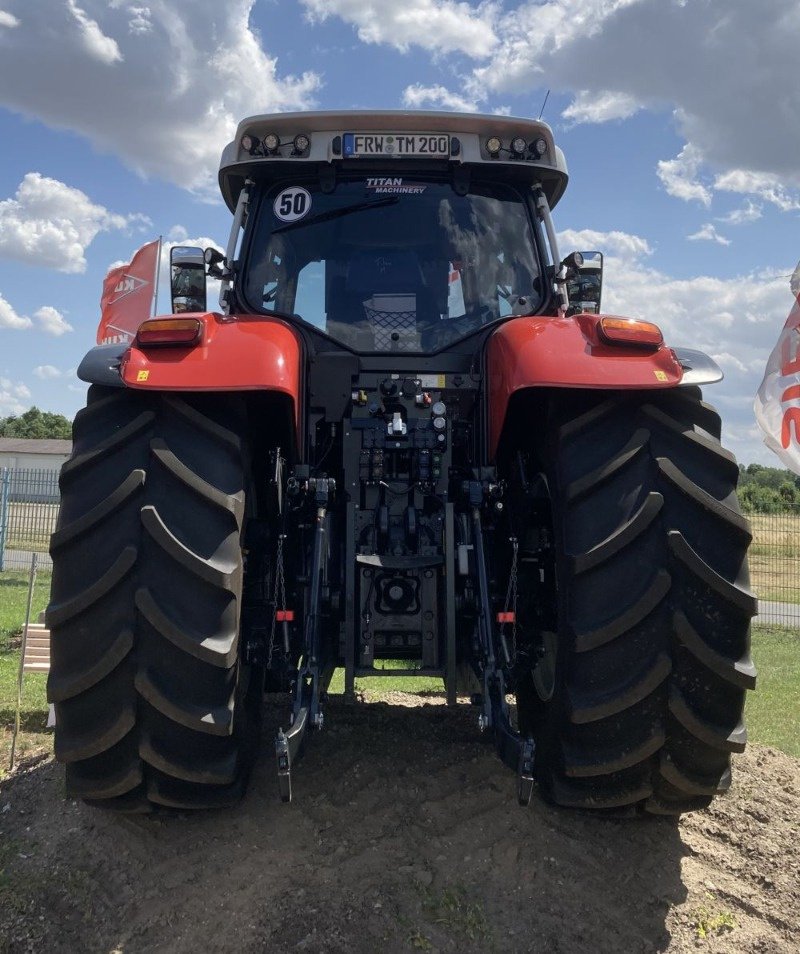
128 294
777 403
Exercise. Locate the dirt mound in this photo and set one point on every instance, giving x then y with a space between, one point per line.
404 835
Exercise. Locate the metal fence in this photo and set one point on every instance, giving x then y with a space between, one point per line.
29 508
775 565
29 502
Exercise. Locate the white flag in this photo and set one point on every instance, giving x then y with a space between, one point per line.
777 403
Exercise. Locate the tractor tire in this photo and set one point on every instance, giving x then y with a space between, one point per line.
154 707
652 655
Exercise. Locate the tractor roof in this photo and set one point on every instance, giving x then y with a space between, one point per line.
334 138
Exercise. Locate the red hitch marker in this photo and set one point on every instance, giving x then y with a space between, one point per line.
506 617
284 616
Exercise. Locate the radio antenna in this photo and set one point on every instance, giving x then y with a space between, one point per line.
546 95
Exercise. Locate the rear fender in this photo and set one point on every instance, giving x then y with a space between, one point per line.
541 352
241 353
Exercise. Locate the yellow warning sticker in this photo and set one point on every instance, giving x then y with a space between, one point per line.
661 376
431 380
142 375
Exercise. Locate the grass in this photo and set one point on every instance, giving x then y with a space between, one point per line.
710 921
452 909
34 736
773 710
13 600
382 685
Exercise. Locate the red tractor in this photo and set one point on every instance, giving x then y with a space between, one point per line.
408 437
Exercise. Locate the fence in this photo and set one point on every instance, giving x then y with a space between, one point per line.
29 502
775 565
29 508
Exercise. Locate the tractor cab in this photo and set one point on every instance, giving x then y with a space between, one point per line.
392 232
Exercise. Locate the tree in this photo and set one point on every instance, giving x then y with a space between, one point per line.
36 424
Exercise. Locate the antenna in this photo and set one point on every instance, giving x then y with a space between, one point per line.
546 96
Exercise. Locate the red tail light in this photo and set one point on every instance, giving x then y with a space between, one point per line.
183 332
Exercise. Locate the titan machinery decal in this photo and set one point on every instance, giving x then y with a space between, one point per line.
394 186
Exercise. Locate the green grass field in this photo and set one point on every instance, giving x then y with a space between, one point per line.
773 710
34 737
377 686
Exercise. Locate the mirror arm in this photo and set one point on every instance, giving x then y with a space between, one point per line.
230 251
543 208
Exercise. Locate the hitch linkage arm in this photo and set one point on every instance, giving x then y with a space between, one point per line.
306 706
514 750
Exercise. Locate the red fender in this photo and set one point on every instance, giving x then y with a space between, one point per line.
566 353
235 354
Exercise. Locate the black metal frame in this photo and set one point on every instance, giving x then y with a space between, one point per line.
375 513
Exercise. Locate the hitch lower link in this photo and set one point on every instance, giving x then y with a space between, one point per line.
306 703
515 750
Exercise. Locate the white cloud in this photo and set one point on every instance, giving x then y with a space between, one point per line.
724 70
680 176
94 41
623 245
10 319
51 321
442 26
726 360
48 319
419 97
177 233
139 22
171 100
590 106
46 372
750 212
8 21
51 224
708 233
12 394
765 186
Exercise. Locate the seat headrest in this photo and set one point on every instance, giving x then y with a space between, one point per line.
383 271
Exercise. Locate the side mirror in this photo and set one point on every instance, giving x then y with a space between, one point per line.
187 269
584 282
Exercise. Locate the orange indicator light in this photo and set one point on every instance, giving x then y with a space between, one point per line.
630 331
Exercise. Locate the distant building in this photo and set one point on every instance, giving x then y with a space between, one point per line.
21 454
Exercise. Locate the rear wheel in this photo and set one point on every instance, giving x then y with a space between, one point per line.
641 698
153 704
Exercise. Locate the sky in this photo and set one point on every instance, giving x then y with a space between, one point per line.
680 121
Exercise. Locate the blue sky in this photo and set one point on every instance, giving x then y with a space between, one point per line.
680 120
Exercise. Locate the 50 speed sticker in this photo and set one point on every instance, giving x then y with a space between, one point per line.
292 204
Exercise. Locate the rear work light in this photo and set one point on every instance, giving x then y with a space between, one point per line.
170 331
630 331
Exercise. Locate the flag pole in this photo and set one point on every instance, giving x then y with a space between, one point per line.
157 276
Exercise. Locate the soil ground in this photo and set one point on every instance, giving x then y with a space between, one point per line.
404 835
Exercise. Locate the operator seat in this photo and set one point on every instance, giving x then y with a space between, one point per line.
384 300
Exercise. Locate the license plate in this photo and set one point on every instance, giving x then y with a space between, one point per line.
396 145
